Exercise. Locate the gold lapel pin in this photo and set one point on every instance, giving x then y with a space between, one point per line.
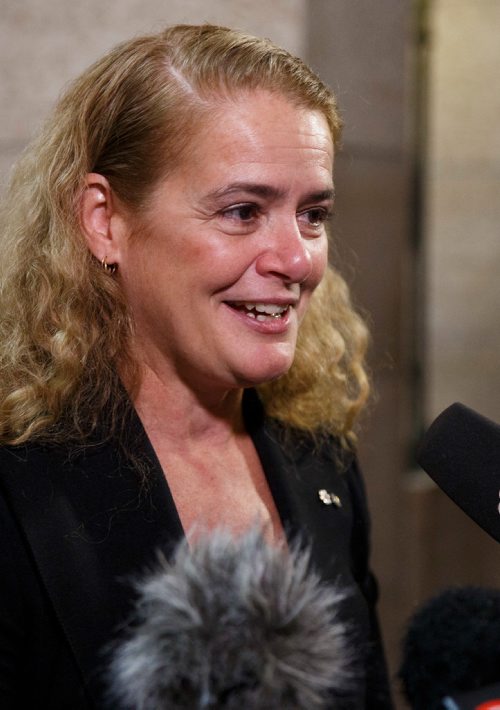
329 498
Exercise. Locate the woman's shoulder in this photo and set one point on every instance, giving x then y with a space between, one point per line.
28 472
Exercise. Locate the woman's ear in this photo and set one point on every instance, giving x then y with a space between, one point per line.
101 224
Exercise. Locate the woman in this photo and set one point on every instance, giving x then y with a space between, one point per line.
162 242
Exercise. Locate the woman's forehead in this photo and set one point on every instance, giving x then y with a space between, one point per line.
259 127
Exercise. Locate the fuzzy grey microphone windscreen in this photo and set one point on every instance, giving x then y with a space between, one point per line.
234 623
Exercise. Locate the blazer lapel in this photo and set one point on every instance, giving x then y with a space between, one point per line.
301 476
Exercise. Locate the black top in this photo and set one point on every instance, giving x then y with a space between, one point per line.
76 526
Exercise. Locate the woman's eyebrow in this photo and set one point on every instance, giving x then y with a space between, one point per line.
268 192
253 188
327 195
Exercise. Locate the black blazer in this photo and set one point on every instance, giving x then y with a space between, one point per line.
76 526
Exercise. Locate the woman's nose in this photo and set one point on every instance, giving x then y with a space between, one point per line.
285 254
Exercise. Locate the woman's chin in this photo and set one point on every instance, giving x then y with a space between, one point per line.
263 372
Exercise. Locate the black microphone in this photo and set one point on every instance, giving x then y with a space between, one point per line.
451 651
234 623
461 453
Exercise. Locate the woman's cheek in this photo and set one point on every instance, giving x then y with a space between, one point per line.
319 262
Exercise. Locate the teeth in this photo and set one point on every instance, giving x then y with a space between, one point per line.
261 311
271 309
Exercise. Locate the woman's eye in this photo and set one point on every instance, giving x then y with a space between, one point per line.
314 217
317 216
241 213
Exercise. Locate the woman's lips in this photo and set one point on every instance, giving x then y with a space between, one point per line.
275 316
261 311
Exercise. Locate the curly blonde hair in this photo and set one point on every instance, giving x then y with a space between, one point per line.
64 324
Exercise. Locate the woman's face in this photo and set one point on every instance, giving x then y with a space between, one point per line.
232 245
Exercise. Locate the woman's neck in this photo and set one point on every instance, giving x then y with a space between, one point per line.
209 461
174 411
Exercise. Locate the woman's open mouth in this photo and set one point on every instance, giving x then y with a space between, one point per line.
261 311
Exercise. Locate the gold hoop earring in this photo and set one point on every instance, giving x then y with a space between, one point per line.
108 268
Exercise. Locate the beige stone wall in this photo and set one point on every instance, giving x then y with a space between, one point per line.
45 43
463 220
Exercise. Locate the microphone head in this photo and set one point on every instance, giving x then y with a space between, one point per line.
452 645
233 624
461 453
